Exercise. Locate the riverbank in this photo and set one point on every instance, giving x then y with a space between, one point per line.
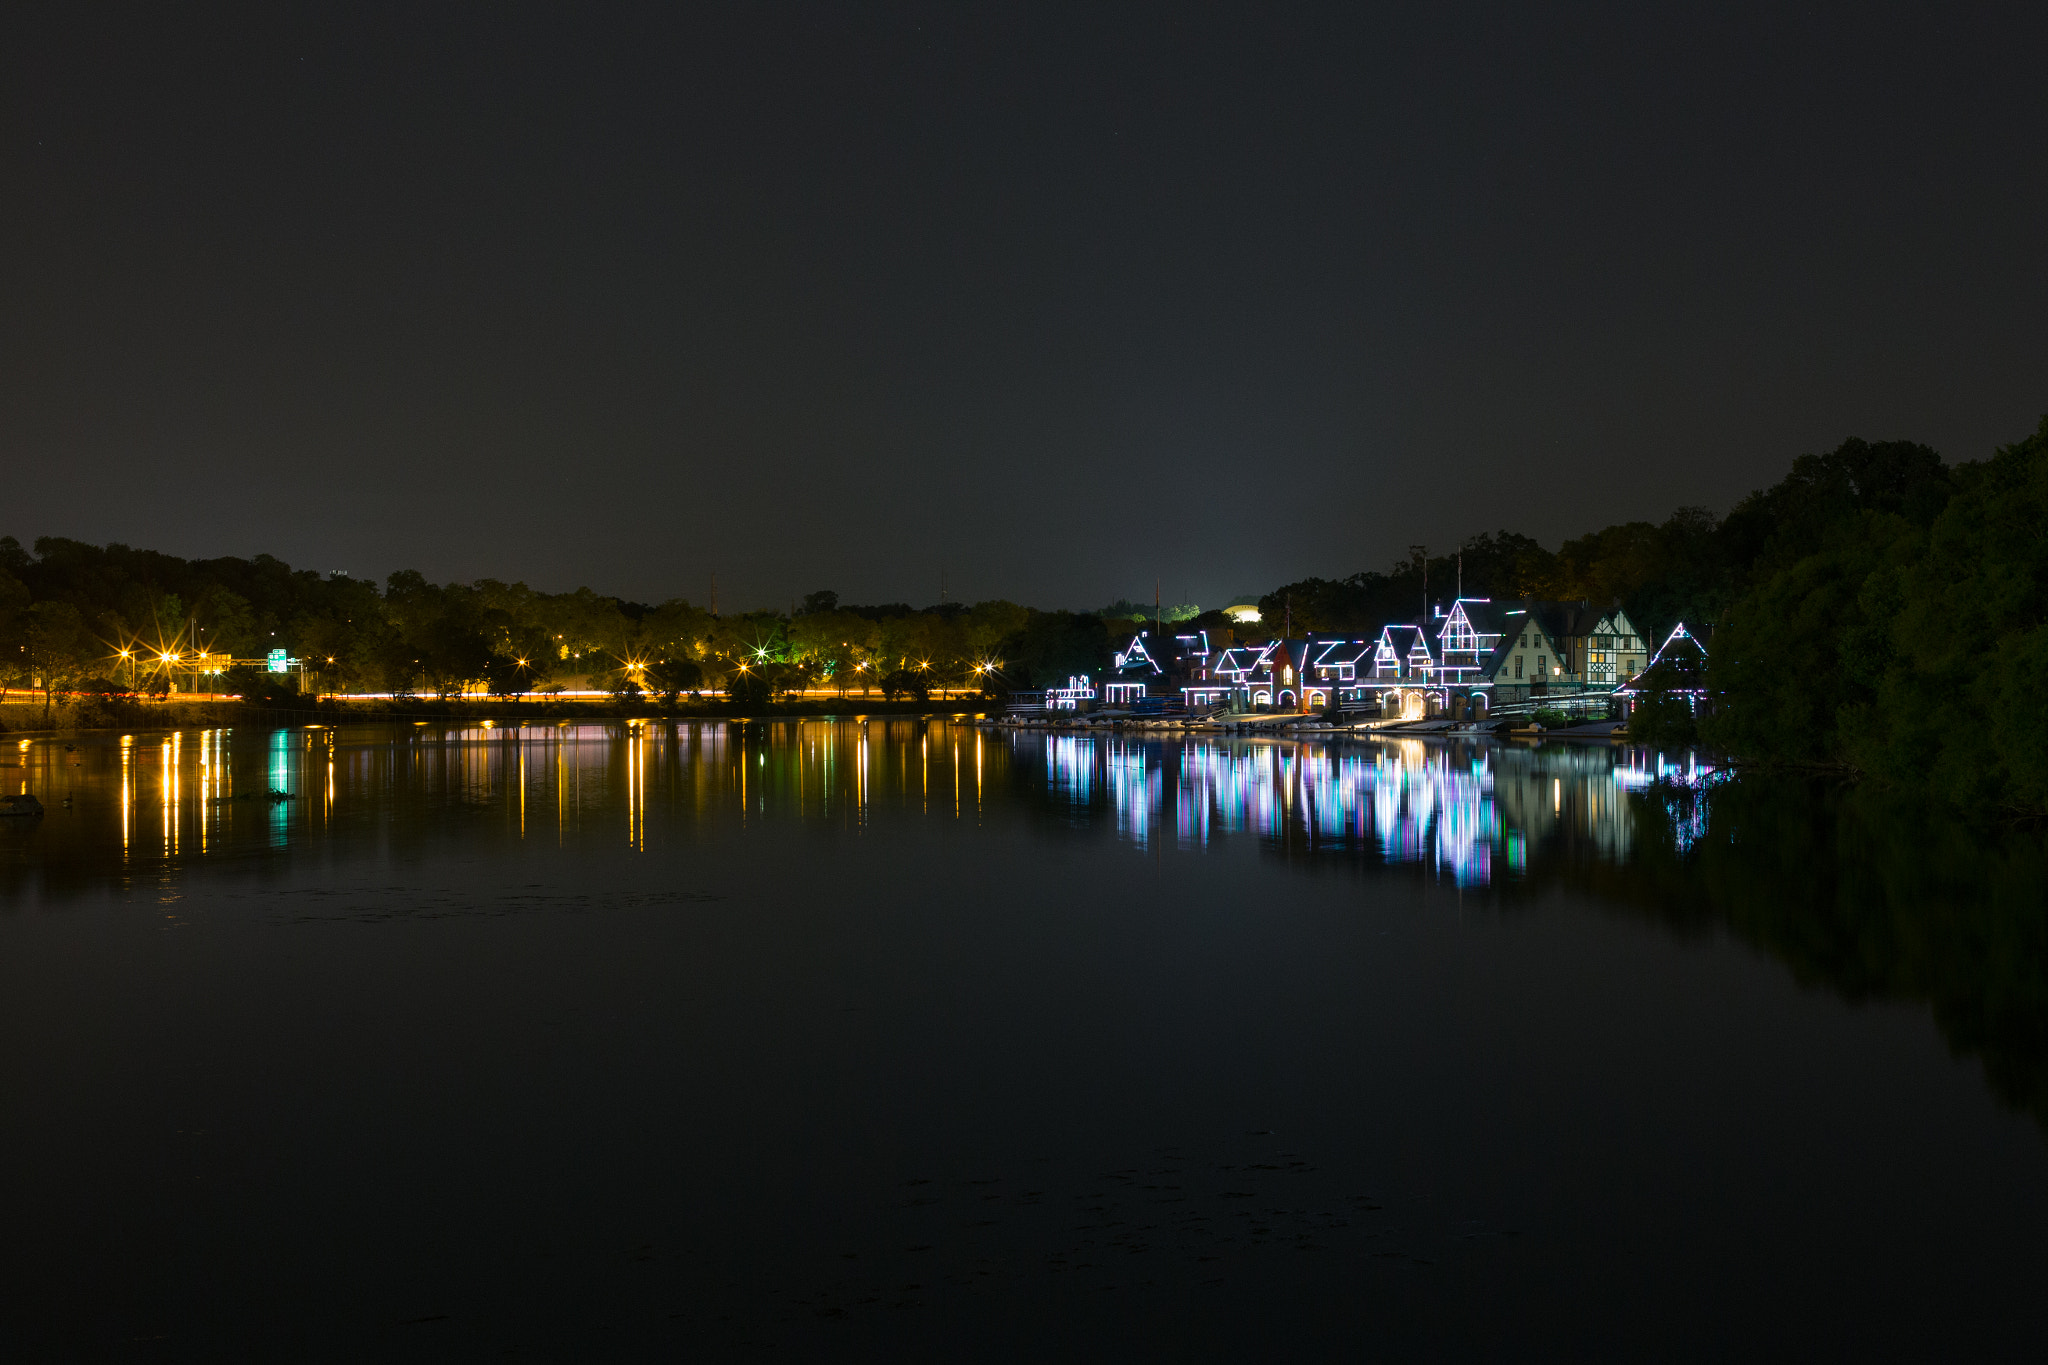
21 716
86 713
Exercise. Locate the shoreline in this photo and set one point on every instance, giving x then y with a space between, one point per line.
102 716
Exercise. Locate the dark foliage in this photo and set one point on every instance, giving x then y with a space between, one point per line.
1056 645
1663 722
260 688
906 683
507 677
1908 635
669 679
748 688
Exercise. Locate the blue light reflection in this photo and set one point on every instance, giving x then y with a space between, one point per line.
1470 812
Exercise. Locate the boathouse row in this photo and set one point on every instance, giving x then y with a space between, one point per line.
1471 656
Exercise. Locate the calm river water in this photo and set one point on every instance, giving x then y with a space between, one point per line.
627 1041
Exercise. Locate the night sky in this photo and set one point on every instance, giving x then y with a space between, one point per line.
1051 301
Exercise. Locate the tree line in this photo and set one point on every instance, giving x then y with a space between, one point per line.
1899 627
1876 609
1690 567
76 617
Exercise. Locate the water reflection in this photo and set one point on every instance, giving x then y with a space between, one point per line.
1873 901
1467 811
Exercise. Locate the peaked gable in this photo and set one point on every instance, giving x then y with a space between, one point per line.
1512 623
1136 658
1679 665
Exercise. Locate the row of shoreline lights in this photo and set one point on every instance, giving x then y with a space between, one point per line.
173 656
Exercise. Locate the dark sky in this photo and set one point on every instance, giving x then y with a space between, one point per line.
1052 301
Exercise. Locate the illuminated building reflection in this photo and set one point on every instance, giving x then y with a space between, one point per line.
279 774
1468 812
636 787
1472 813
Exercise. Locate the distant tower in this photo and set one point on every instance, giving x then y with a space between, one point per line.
714 594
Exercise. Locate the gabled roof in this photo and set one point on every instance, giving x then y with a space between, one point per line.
1136 658
1679 665
1336 651
1401 635
1255 663
1511 621
1298 652
1471 631
1613 621
1245 660
1559 621
1488 617
1403 641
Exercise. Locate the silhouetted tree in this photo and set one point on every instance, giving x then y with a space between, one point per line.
670 678
746 687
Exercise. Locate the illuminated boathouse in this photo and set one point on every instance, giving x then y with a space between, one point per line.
1470 656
